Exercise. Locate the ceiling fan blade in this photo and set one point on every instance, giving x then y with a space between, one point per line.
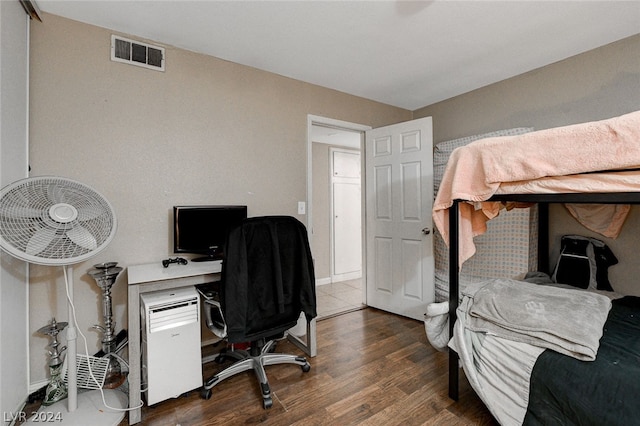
82 237
39 241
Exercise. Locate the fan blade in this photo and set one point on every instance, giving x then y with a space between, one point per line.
89 212
56 194
82 237
40 240
21 212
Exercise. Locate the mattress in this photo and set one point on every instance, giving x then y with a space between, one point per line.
545 387
602 392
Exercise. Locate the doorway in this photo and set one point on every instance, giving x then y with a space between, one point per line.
335 214
396 239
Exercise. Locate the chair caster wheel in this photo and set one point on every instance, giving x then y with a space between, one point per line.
306 368
205 394
267 403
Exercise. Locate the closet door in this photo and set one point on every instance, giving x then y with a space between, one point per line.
346 228
399 193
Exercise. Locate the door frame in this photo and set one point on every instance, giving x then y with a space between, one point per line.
308 341
316 120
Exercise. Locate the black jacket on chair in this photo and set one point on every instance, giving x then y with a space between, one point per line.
267 278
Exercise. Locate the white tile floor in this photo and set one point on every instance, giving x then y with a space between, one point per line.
336 298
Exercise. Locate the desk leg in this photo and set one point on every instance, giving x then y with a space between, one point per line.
135 415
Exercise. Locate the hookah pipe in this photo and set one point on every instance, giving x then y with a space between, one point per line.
56 390
105 275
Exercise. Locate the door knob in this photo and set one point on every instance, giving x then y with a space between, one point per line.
426 231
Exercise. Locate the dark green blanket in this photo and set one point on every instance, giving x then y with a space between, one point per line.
566 391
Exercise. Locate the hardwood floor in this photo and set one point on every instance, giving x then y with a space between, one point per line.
372 368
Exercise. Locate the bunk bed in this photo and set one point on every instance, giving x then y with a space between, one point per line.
508 248
561 165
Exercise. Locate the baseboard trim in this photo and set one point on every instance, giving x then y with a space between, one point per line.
323 281
35 387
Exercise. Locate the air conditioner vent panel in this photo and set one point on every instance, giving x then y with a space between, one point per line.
155 57
122 49
137 53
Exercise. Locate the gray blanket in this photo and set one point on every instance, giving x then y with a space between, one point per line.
569 321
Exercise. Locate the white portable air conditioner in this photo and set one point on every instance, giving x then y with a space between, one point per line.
171 356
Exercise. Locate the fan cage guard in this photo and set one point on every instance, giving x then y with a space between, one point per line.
86 365
54 221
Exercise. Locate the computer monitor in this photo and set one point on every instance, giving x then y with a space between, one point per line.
203 229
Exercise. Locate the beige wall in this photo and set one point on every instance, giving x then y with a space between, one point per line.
595 85
321 244
206 131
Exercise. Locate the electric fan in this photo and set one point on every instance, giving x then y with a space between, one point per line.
60 222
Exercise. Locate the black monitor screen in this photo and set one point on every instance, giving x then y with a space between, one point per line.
203 229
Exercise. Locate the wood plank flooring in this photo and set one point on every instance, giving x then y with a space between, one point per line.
372 368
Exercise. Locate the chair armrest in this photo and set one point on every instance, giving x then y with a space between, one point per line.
214 318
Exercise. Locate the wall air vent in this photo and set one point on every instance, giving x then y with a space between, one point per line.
137 53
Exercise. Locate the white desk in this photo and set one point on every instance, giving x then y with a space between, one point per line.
153 277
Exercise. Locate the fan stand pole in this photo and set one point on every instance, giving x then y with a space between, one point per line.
72 337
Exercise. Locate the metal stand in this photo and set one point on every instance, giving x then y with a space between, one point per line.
56 390
105 275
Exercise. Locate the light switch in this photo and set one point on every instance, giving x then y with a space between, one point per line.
302 207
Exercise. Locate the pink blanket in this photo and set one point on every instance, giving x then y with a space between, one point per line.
475 171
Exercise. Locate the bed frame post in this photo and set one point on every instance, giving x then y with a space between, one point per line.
453 294
543 238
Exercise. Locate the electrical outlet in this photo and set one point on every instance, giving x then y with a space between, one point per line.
302 207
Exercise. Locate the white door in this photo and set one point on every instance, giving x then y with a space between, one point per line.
399 198
346 228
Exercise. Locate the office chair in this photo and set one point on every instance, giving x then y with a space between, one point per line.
267 281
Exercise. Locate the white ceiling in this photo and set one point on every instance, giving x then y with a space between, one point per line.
402 53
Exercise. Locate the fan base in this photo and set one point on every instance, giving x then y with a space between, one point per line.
90 411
